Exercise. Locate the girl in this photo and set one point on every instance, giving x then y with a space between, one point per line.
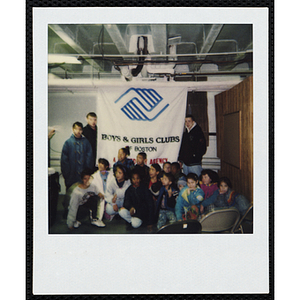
227 197
100 179
115 190
189 199
209 185
85 197
123 159
154 183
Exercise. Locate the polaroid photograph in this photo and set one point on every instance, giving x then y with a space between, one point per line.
151 151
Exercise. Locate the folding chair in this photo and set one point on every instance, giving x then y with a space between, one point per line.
248 216
181 227
220 220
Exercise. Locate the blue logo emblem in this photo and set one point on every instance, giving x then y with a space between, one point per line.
142 104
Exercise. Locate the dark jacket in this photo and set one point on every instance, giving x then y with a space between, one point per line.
140 198
91 136
155 188
193 146
76 156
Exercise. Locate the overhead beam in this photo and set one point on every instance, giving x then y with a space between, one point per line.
116 37
210 40
159 34
73 44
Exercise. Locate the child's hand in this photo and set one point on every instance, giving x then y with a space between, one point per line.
132 211
114 199
115 207
101 196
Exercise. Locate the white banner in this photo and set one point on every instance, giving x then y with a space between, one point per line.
149 120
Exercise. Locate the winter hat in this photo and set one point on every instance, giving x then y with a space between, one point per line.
181 181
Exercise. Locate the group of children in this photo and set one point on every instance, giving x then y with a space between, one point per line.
148 195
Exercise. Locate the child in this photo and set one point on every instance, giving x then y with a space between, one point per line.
90 132
142 168
154 184
115 190
181 183
138 204
176 171
100 178
189 199
209 185
166 201
123 159
228 198
85 196
76 156
167 167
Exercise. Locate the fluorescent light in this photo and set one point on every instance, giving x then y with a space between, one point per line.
60 59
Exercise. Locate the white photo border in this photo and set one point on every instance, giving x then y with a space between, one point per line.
151 264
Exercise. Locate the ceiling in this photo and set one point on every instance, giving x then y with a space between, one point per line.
178 52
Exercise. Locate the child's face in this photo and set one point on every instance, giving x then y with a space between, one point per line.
86 180
77 131
121 155
92 121
206 179
140 160
101 167
119 175
152 172
192 184
174 170
135 180
167 168
180 186
223 187
165 181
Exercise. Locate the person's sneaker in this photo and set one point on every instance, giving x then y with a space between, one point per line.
97 222
76 224
111 217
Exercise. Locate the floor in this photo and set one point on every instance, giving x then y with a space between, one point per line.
116 226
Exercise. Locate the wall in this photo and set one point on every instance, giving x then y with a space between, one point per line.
237 99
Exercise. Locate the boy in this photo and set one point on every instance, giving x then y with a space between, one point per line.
138 205
189 199
75 157
85 197
166 201
176 172
193 147
142 168
90 132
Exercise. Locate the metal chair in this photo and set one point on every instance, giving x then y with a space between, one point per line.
220 220
181 227
247 216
